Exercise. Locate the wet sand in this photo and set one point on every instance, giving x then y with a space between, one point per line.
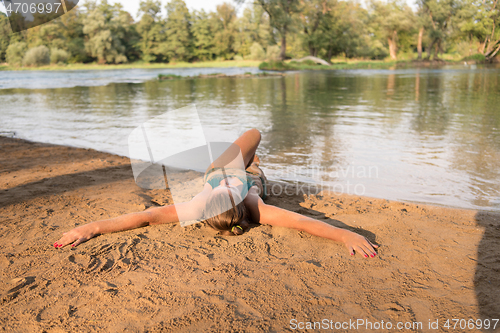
433 264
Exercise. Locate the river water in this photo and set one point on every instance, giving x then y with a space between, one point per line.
417 135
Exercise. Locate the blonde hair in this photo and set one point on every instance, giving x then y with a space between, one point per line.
231 221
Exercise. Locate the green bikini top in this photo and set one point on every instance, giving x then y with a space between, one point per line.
215 175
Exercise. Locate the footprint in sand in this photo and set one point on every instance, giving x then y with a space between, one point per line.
16 286
20 283
107 257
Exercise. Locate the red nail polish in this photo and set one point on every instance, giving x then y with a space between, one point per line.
366 256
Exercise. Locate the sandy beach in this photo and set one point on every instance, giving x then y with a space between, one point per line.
434 264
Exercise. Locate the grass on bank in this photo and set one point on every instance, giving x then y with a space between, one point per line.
275 65
405 60
308 64
139 65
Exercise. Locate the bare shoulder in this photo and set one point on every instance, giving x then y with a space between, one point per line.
201 198
252 198
253 204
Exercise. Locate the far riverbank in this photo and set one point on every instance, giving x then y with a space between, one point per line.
137 65
337 64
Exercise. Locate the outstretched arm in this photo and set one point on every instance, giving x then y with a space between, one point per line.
267 214
191 210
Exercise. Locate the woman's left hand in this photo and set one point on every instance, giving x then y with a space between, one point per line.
359 244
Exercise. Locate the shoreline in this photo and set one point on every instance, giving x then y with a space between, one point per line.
93 66
336 65
289 184
370 64
434 263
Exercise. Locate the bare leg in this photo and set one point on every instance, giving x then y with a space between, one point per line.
246 144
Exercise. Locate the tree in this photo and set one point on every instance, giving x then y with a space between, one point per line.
151 30
49 34
4 35
479 20
178 31
281 17
253 27
15 53
314 22
37 56
127 32
74 36
225 31
391 19
421 28
104 27
346 31
438 16
202 29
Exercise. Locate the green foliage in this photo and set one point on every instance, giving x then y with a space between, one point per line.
274 65
4 36
257 52
50 34
273 52
329 28
224 31
252 27
407 41
129 36
98 31
203 30
162 77
475 57
479 22
282 17
178 45
315 21
150 29
58 56
75 37
389 20
309 62
372 48
15 53
106 27
436 16
466 48
37 56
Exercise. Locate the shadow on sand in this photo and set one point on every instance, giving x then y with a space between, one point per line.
487 276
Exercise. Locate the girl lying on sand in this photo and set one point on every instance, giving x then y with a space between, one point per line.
232 194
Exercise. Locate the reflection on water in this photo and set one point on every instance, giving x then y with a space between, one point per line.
427 136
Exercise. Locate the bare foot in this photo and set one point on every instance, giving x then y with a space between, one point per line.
256 160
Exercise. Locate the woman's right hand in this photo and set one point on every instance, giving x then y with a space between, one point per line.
77 235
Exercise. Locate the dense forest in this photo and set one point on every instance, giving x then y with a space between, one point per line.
267 29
